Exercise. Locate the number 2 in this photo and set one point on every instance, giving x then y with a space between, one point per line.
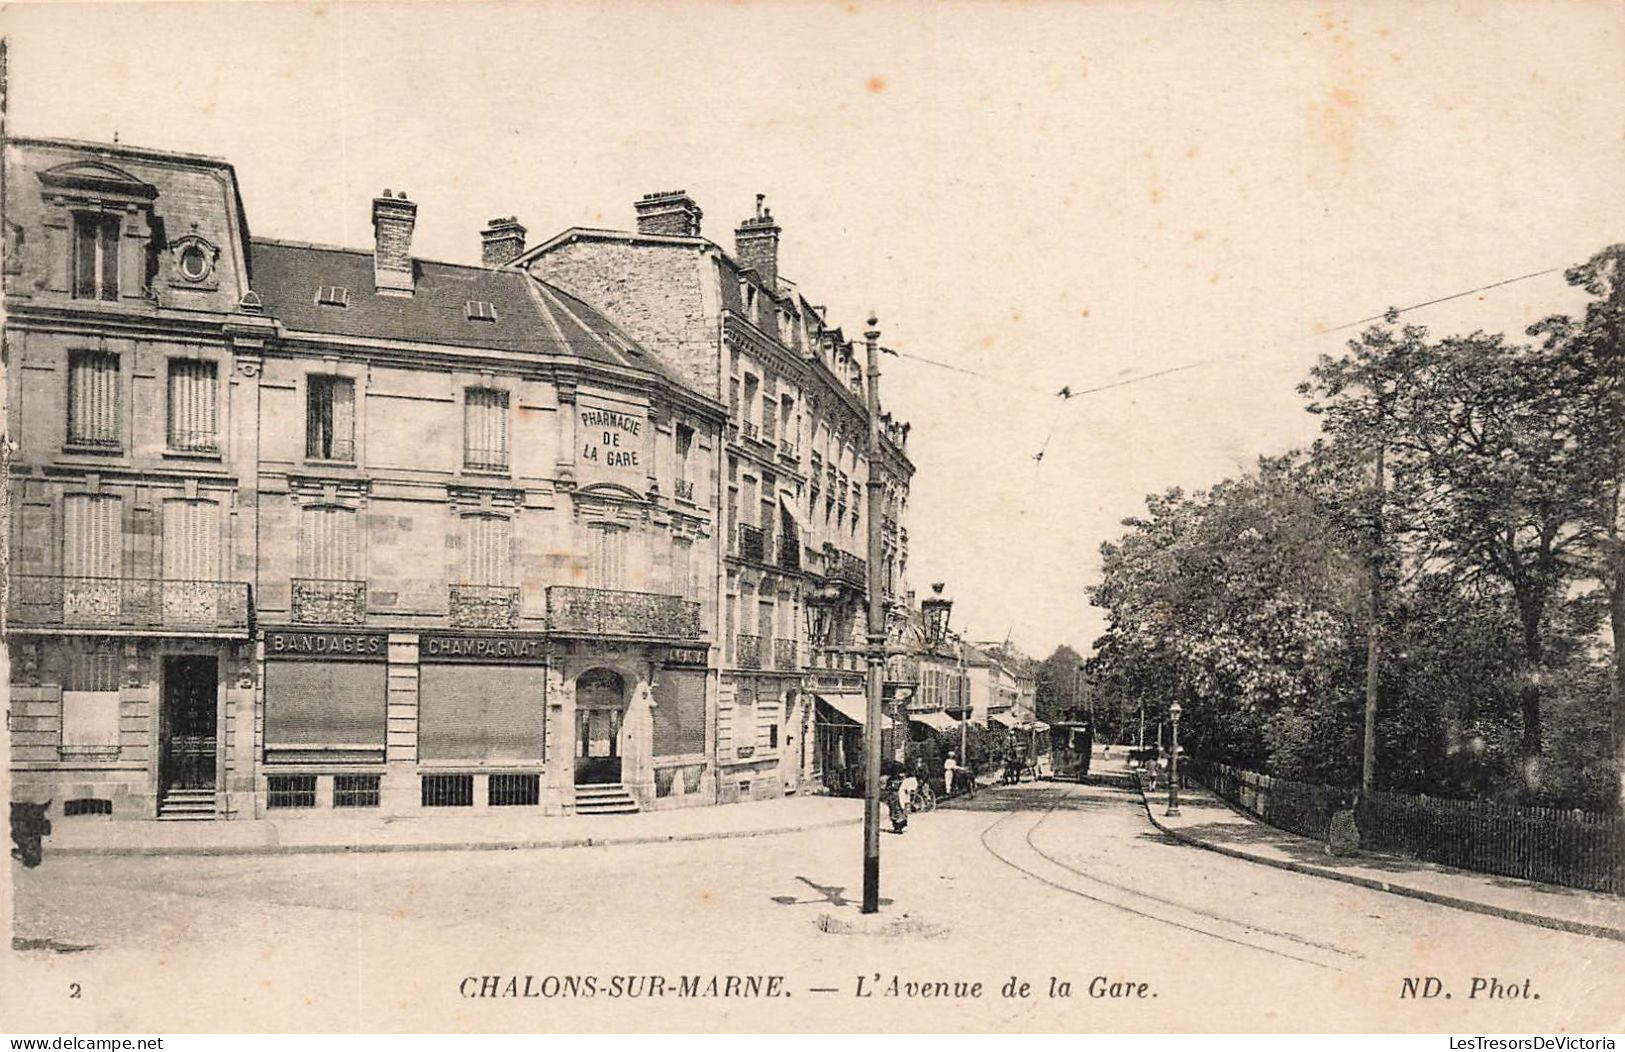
73 991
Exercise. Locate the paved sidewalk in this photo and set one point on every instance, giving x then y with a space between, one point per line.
1209 822
494 830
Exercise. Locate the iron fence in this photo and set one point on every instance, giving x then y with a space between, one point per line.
484 605
608 611
1573 848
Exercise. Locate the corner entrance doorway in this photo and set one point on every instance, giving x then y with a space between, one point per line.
600 709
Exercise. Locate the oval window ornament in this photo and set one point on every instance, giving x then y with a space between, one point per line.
194 263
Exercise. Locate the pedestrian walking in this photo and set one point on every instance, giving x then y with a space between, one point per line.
949 767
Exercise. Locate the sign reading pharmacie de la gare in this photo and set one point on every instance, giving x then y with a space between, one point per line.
613 440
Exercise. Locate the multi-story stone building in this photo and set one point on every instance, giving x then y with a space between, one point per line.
132 350
299 527
795 465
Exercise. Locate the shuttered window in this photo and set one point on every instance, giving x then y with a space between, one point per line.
330 418
608 555
90 698
743 724
193 388
325 709
95 256
487 550
328 544
679 712
93 398
481 712
682 568
92 536
485 429
191 540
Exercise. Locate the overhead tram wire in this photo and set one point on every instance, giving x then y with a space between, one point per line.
1066 394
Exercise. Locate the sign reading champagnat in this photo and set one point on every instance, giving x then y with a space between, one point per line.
611 440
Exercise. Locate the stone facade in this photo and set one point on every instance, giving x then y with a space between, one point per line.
793 499
297 528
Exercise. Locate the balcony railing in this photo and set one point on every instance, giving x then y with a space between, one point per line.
752 546
751 430
747 651
609 612
784 654
684 489
484 606
846 567
787 450
318 601
128 602
183 441
789 553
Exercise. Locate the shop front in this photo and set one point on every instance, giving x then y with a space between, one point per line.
482 719
325 697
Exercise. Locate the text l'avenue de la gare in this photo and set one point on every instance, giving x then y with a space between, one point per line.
870 985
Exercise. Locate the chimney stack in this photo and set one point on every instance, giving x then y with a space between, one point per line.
502 241
756 244
392 221
670 212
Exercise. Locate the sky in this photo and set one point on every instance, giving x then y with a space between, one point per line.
1043 194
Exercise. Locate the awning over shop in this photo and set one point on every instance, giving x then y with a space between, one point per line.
937 721
1003 719
1039 726
850 708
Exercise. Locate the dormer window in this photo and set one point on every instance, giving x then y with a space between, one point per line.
333 296
95 256
480 310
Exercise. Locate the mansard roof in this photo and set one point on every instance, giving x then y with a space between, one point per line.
531 316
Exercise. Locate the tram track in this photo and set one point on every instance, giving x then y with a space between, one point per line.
1013 845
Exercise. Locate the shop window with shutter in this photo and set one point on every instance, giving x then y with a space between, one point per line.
330 418
93 400
481 712
485 429
325 711
679 712
90 701
193 395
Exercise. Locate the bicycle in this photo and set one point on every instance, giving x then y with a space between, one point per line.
924 798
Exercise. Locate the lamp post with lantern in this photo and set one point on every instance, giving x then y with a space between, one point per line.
935 612
1173 762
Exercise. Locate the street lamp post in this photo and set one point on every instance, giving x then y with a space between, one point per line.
1173 763
877 637
935 613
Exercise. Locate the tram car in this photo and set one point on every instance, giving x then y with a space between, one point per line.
1070 747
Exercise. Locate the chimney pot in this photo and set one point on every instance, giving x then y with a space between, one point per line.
756 244
393 219
502 241
671 212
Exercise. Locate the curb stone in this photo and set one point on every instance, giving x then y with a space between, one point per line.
1597 931
493 845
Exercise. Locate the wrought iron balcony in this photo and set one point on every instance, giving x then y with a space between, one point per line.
752 545
845 567
684 489
610 612
50 601
318 601
789 552
787 450
484 606
784 654
747 651
751 430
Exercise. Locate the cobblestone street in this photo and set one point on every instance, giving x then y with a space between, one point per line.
1043 880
